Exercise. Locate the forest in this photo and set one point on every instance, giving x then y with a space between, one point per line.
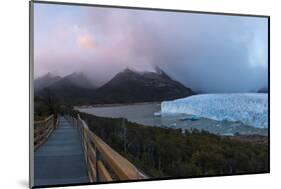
165 152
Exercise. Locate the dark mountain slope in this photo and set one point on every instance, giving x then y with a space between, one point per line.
127 86
71 89
45 81
130 86
263 90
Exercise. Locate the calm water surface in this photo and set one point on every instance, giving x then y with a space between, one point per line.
144 114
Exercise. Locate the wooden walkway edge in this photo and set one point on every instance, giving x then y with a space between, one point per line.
61 159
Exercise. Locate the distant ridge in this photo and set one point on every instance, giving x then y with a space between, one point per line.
75 79
127 86
263 90
45 81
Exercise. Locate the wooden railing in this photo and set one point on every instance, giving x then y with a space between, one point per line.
42 130
104 164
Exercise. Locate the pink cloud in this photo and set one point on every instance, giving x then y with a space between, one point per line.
86 42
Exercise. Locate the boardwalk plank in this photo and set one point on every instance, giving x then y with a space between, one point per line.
60 160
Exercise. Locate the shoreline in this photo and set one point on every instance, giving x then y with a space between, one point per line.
114 105
220 128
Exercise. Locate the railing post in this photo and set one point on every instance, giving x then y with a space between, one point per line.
85 145
97 168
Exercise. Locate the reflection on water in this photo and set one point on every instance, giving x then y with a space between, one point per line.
144 114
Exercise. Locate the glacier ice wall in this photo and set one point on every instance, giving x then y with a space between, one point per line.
249 108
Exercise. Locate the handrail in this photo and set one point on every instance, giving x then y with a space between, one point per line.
43 121
104 163
42 130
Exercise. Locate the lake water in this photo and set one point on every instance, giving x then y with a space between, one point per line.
144 114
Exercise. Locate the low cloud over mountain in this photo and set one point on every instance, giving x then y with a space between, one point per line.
209 53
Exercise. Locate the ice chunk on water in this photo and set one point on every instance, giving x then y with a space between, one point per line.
157 113
249 108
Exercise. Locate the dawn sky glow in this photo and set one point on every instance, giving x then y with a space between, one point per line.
210 53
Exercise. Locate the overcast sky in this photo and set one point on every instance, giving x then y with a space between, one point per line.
210 53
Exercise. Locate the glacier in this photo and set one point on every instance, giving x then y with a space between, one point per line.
249 108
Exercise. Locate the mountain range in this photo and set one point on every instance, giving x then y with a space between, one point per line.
263 90
127 86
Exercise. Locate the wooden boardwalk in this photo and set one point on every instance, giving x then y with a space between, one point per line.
61 160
